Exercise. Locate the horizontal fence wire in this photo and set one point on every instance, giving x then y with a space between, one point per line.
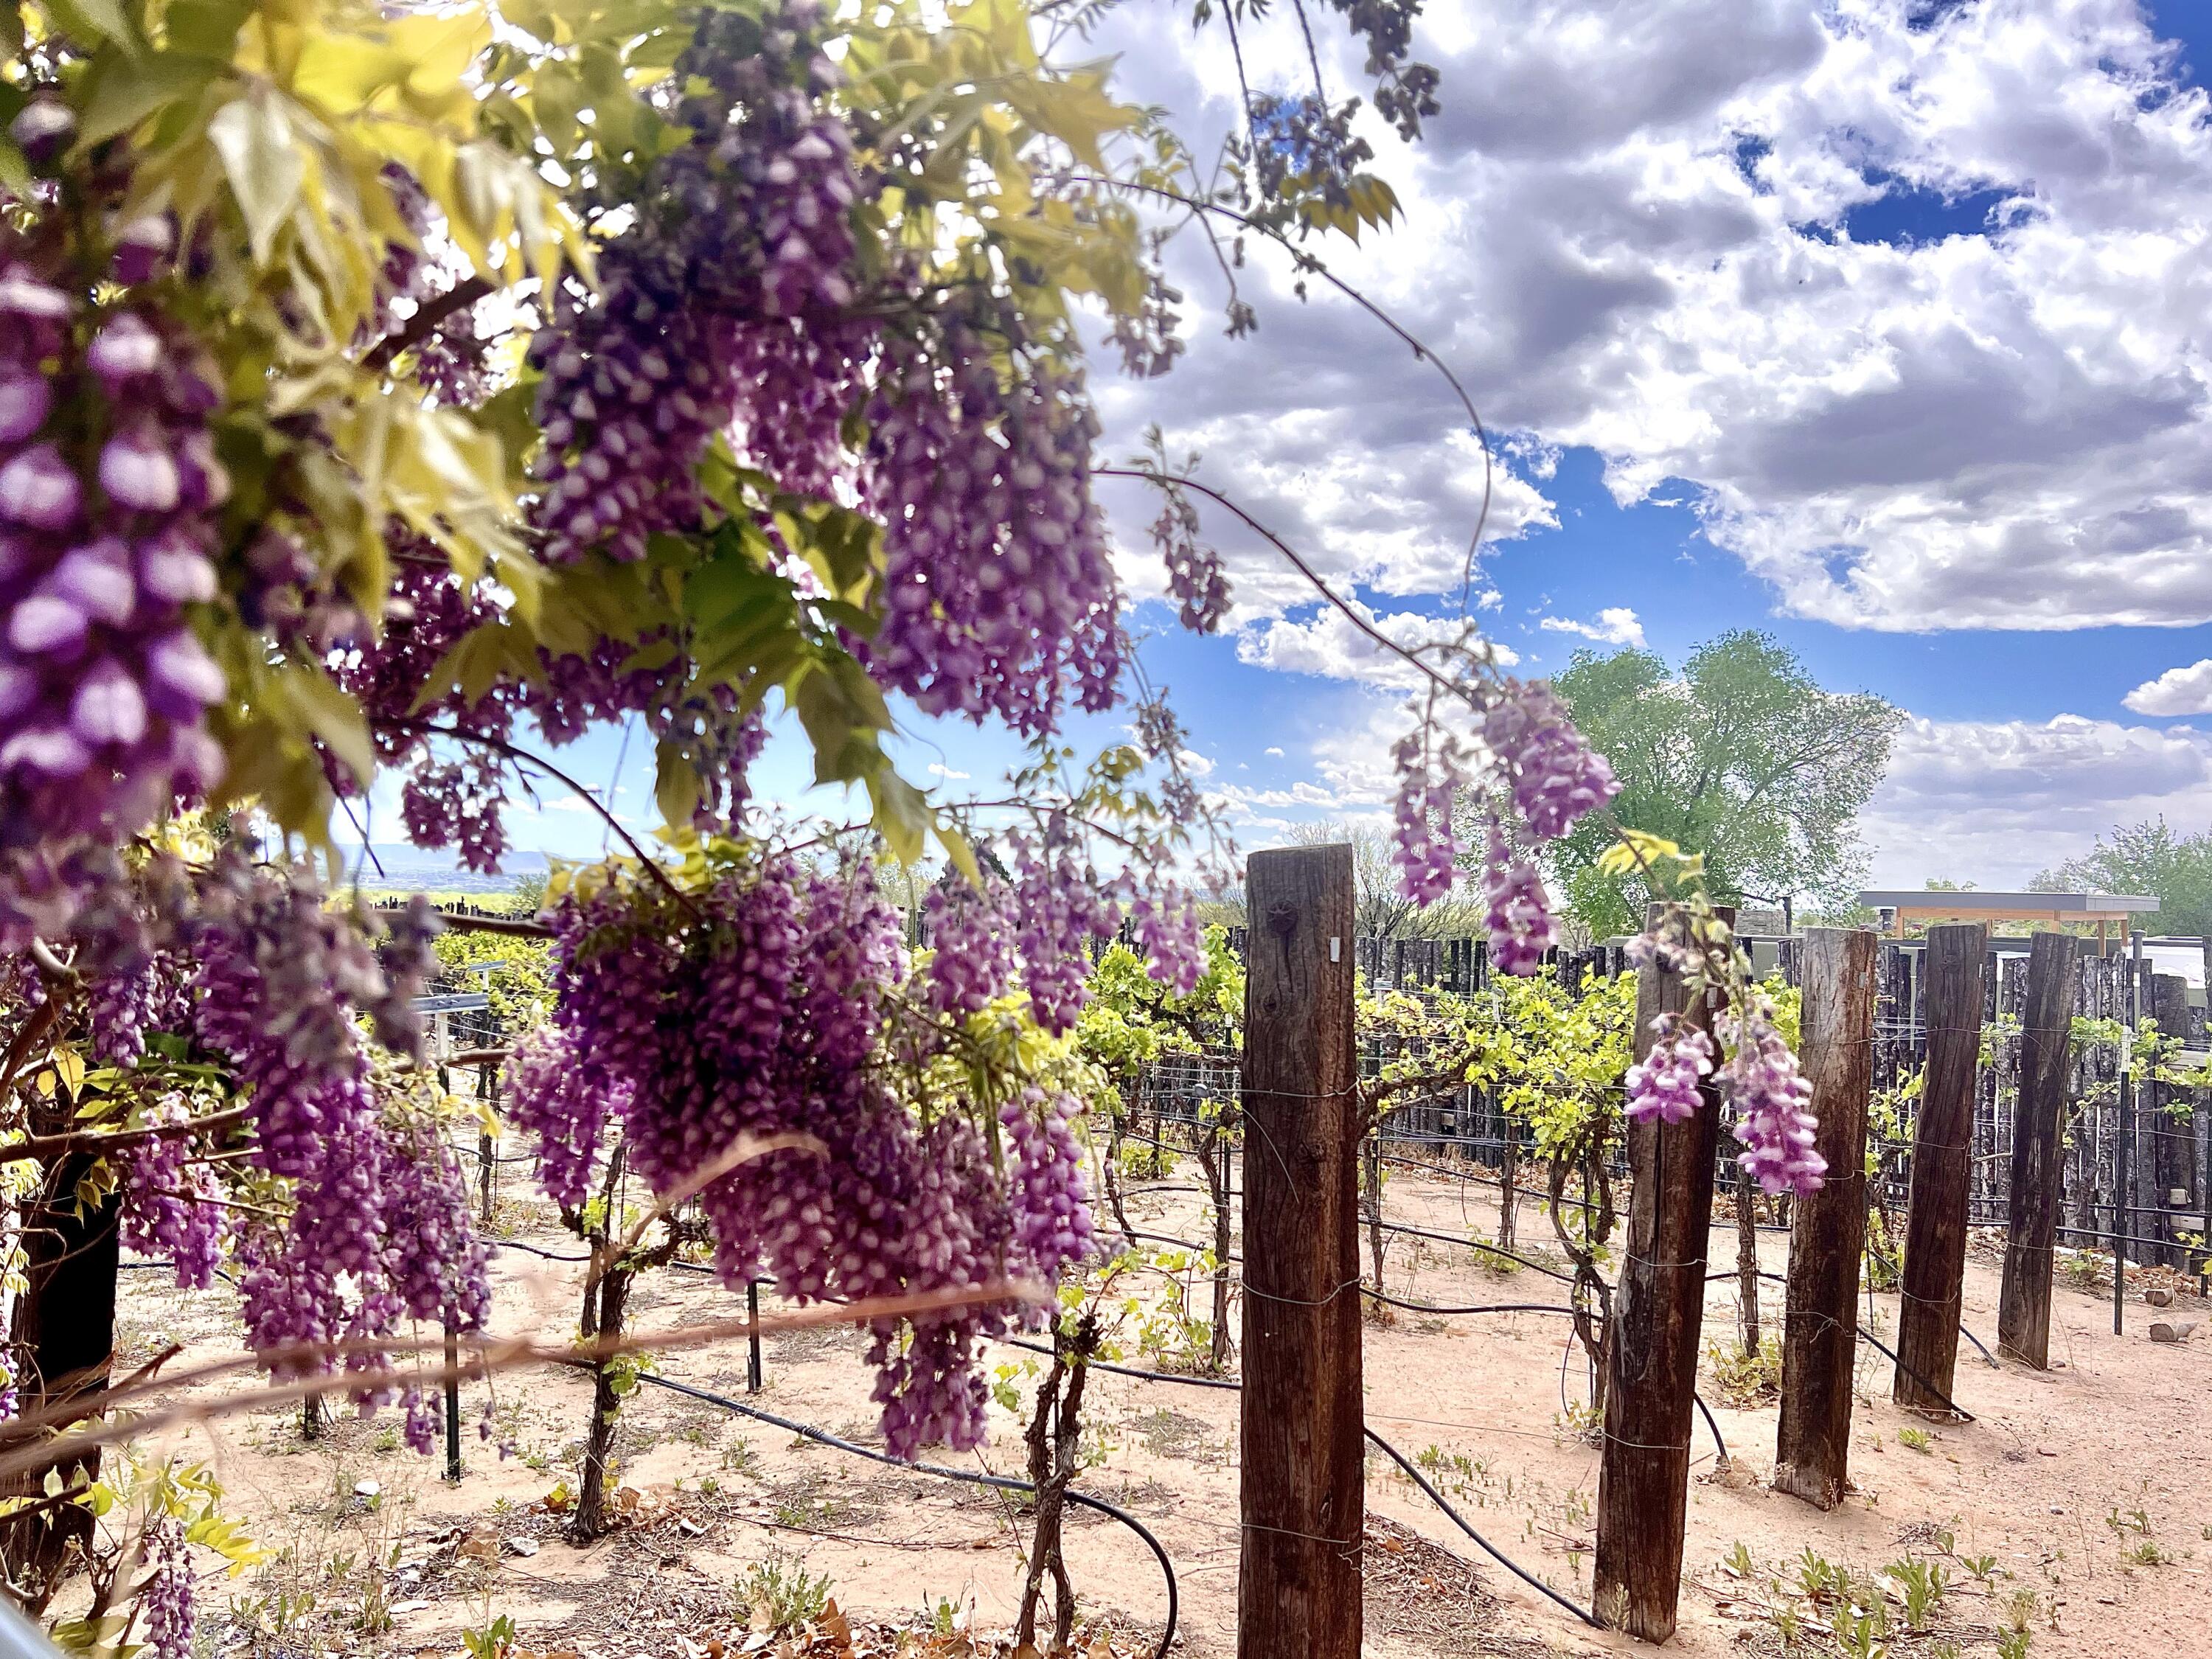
2157 1142
2159 1218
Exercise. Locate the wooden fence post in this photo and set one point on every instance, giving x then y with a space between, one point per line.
1828 1230
1658 1309
1942 1140
2038 1153
1303 1484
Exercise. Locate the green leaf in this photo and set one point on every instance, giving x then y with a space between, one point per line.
335 719
122 95
902 816
677 789
206 28
264 166
87 22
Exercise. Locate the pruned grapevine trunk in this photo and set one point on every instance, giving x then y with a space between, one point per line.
1212 1153
1508 1196
1113 1177
1054 1437
591 1521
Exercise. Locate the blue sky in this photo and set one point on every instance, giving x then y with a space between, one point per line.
1882 325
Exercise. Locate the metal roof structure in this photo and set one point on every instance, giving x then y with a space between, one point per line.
1972 904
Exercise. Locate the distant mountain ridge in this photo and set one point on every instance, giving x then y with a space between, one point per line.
410 868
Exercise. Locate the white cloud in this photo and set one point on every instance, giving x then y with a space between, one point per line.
1272 752
2177 691
1195 764
1615 625
1994 802
938 769
1327 643
1631 228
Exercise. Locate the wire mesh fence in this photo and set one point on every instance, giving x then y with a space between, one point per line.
2137 1163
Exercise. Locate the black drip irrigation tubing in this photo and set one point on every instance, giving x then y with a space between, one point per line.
1776 1279
1387 1226
1474 1244
998 1482
130 1266
1480 1308
556 1256
1394 1455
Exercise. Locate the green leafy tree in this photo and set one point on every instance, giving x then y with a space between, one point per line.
1741 755
2147 858
1380 909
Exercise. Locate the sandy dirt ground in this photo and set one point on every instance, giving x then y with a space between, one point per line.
2077 1506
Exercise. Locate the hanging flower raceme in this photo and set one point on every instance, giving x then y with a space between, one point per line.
742 252
999 593
1518 916
1556 777
1664 1083
170 1617
562 1106
169 1207
763 1007
972 954
1772 1101
1426 848
1060 908
109 489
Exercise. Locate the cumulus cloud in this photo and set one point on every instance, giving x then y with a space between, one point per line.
1993 802
1676 234
2177 691
1615 625
1326 643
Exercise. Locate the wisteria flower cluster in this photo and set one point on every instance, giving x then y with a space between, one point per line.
1773 1101
170 1617
109 489
1529 752
1517 918
170 1206
768 1005
562 1105
1664 1083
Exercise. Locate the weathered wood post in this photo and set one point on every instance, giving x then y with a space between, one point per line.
1302 1485
1658 1309
2038 1150
1935 1230
1828 1230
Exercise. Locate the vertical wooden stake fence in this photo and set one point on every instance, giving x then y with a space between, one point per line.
2038 1150
1658 1309
1828 1230
1303 1484
1943 1151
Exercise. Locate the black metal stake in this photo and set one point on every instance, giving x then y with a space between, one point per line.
752 1337
452 1408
